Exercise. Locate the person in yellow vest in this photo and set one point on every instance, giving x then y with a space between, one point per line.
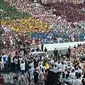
47 65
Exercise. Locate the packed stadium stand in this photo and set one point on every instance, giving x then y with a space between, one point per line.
65 8
66 20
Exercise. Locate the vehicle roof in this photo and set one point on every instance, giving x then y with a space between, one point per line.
38 52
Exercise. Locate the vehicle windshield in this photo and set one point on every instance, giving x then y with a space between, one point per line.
40 54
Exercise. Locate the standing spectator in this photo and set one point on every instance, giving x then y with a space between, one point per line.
4 60
56 53
78 80
9 61
45 77
31 74
22 66
36 63
12 64
41 74
36 74
16 63
69 52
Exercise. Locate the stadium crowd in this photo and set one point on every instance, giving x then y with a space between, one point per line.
78 51
69 10
19 67
57 34
65 19
63 33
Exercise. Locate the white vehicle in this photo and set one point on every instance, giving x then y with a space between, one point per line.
39 54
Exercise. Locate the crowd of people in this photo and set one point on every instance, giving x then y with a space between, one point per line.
65 20
20 65
67 32
78 51
69 10
16 58
15 40
63 33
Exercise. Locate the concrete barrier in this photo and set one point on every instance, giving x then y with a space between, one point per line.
61 46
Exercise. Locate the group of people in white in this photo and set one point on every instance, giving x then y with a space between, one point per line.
73 71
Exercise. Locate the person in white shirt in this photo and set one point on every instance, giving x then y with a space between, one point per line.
41 74
77 81
51 61
72 74
22 66
63 66
31 71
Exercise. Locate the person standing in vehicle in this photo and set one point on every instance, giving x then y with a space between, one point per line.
42 46
56 54
45 49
